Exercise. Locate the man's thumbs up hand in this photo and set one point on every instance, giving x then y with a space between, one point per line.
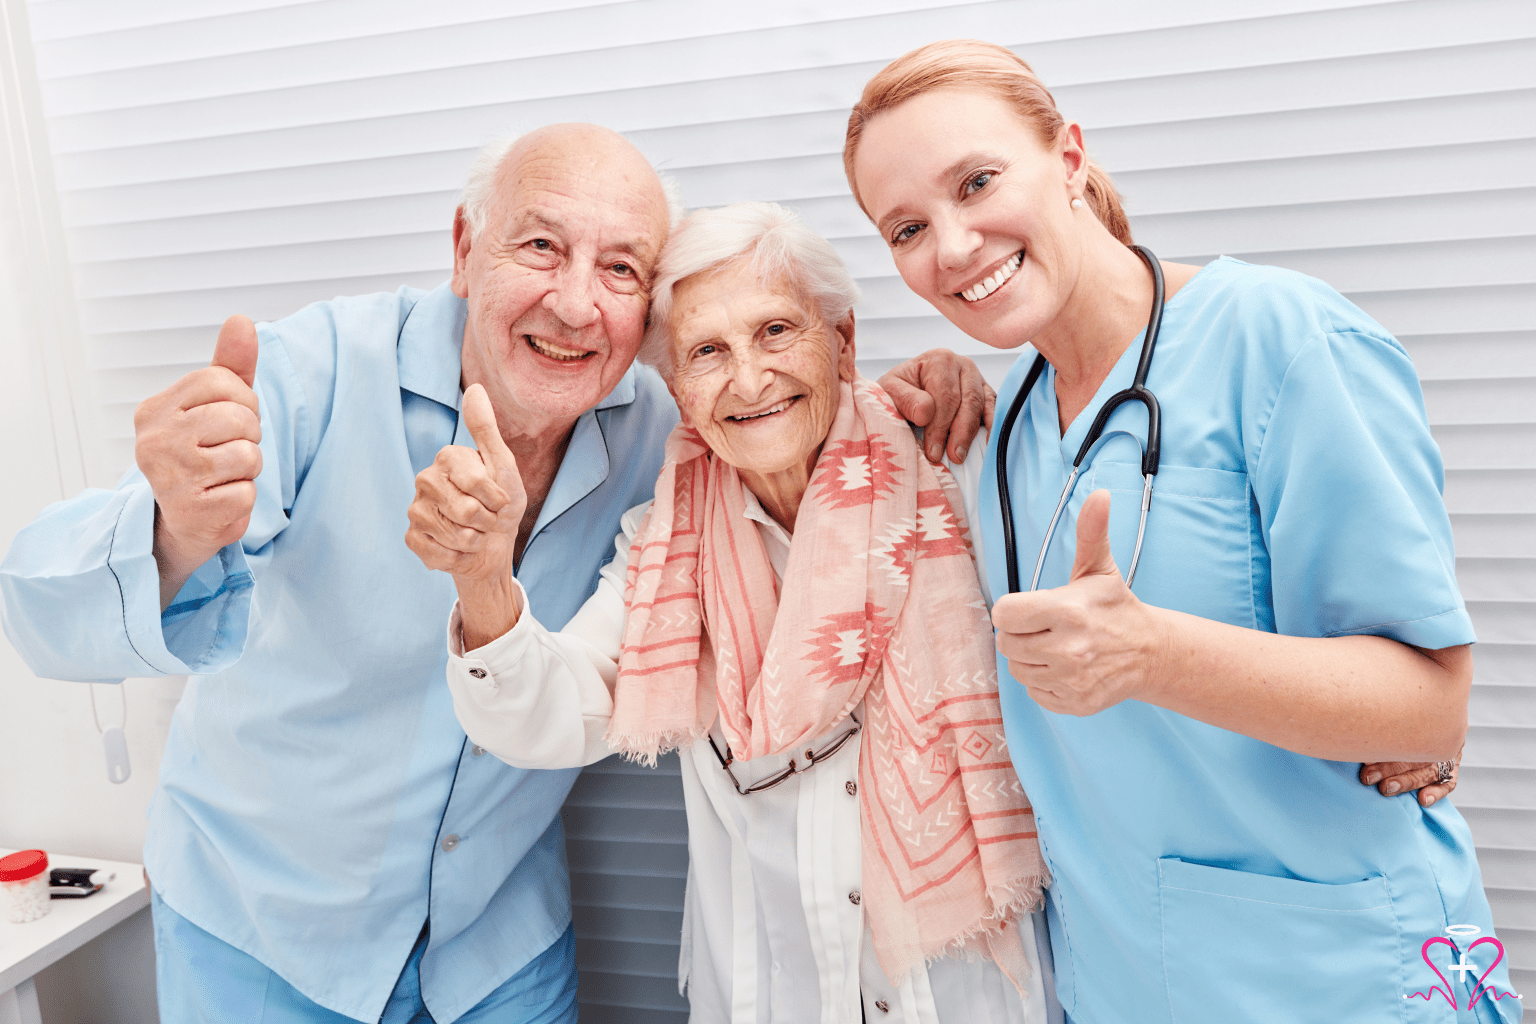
236 349
1085 646
197 444
465 519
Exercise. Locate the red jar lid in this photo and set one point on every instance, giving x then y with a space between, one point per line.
21 866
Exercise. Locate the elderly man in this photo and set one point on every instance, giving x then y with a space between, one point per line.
324 841
325 845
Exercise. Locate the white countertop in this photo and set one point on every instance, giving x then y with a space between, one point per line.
27 948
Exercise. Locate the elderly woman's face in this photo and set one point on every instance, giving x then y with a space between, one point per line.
756 369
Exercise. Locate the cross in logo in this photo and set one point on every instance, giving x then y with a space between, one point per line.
1463 967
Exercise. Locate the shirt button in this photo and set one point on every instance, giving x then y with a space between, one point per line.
450 843
852 788
882 1006
478 673
477 750
854 897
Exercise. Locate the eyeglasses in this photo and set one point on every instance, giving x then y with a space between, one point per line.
812 758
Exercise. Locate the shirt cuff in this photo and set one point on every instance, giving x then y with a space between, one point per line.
204 629
479 667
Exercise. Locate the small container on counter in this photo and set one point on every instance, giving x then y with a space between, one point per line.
24 886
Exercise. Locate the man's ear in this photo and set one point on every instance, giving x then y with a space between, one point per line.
462 241
847 360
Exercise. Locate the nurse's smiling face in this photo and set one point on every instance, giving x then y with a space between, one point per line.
977 212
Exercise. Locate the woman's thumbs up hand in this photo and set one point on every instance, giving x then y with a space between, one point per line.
1085 646
469 503
465 518
1094 558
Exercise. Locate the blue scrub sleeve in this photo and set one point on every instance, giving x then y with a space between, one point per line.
1349 486
80 589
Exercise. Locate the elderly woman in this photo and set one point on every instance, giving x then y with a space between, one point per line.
799 612
1296 608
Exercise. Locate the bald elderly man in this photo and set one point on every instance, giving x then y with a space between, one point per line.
325 844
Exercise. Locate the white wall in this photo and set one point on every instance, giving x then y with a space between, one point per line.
50 742
215 156
54 791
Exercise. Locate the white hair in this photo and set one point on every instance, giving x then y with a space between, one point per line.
481 180
778 244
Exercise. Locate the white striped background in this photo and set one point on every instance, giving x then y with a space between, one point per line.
220 156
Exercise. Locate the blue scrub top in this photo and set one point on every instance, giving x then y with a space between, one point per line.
1201 875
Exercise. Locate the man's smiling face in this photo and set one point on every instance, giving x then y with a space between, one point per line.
558 280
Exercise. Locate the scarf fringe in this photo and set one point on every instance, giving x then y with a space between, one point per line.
1023 896
645 749
1020 896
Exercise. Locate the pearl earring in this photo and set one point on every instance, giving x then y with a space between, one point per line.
1077 204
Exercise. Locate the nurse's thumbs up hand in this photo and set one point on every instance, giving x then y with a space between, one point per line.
1085 646
196 443
1094 557
468 508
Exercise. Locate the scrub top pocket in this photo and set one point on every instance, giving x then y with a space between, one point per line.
1240 946
1199 550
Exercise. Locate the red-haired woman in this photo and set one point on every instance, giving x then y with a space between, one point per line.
1190 746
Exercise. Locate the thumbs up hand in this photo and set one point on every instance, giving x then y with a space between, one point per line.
1088 645
197 445
465 519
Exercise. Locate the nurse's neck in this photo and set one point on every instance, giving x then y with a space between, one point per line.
1104 315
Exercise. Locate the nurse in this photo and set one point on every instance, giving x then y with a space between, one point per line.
1190 745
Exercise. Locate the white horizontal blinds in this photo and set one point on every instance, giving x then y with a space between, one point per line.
627 840
217 156
249 158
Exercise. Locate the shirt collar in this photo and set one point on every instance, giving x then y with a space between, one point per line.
430 343
623 392
754 511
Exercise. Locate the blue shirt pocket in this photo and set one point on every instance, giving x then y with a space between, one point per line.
1198 555
1242 946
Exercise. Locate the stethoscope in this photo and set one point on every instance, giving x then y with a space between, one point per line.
1137 392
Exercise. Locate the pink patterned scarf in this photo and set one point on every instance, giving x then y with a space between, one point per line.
949 844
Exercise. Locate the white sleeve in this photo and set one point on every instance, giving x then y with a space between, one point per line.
968 476
538 699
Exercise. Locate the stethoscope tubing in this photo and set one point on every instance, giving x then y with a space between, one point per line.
1150 457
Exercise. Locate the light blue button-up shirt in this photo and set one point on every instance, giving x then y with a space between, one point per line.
318 800
1200 875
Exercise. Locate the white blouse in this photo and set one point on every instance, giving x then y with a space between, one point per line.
773 926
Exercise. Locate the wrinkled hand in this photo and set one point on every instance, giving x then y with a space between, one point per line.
1393 777
197 443
469 504
946 395
1085 646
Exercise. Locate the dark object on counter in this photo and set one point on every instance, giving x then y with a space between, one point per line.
76 883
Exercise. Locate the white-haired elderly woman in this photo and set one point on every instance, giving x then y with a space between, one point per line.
799 613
